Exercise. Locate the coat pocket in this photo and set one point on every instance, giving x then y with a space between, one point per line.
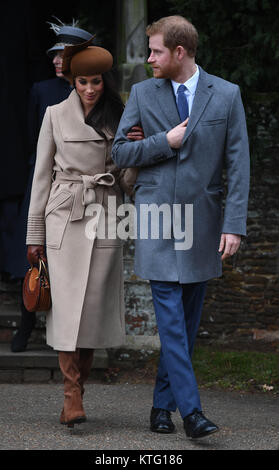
148 178
213 122
57 215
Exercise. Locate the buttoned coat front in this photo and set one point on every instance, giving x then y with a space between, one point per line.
191 177
85 271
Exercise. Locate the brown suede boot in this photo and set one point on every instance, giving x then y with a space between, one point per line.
73 412
85 364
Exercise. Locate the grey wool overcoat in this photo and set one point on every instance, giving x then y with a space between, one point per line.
215 138
73 170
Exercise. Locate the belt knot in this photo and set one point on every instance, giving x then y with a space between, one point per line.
85 193
90 183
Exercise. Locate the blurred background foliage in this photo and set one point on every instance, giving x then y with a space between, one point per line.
239 39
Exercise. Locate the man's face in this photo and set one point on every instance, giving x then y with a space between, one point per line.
161 58
57 62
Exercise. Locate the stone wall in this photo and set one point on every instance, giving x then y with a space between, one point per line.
245 301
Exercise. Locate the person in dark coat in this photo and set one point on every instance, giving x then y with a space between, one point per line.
42 94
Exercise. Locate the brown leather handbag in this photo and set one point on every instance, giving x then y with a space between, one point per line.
36 289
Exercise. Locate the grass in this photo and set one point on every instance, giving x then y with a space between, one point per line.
237 370
243 371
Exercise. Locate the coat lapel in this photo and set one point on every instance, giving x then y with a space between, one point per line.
71 121
166 101
202 97
168 106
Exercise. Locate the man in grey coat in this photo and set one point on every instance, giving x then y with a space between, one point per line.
194 125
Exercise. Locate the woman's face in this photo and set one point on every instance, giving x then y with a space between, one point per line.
90 89
57 62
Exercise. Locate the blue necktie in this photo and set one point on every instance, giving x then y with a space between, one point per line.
182 103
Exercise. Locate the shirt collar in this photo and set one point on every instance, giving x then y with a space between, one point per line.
190 84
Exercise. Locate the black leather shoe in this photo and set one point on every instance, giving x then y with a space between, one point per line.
197 425
160 421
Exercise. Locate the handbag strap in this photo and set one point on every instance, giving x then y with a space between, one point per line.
41 266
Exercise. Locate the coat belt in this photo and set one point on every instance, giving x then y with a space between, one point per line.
85 193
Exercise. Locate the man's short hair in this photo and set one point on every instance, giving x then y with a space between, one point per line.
177 31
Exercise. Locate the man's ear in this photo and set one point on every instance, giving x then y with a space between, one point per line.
181 52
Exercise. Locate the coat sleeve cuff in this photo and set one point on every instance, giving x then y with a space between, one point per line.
35 230
237 227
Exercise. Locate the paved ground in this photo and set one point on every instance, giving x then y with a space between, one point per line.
118 417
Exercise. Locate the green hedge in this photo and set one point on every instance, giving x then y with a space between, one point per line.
239 39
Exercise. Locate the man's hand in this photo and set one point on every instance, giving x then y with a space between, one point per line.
135 133
229 244
175 135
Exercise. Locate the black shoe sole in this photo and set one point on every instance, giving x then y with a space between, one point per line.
162 431
203 435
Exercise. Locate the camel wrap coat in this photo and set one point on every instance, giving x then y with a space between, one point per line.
73 172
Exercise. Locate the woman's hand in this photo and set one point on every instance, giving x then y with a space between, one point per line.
34 252
135 133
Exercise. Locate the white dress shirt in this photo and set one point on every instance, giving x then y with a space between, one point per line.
191 86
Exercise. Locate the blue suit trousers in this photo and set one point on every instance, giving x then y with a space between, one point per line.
178 309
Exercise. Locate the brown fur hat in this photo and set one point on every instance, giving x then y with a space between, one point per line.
82 59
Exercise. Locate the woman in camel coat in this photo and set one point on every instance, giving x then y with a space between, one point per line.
74 170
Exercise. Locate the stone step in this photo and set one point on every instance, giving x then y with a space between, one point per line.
39 356
10 317
39 363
